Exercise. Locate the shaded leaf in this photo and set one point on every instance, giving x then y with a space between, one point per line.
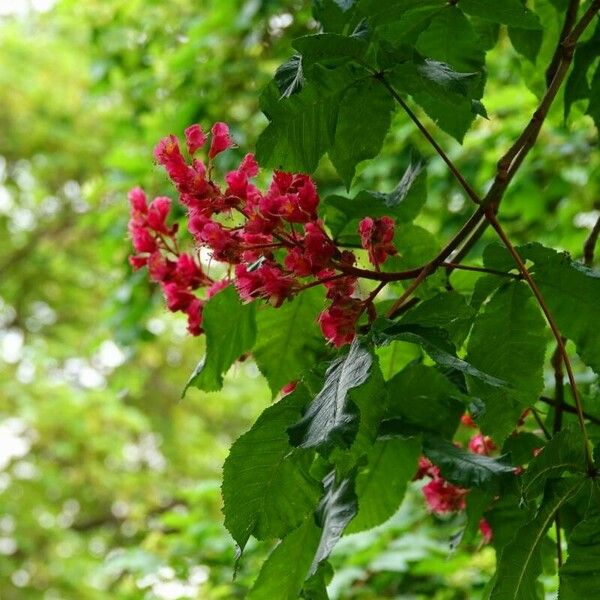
289 77
508 12
526 42
327 47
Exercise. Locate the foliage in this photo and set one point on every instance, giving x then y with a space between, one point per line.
442 368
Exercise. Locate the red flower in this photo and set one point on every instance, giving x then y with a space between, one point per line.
178 298
142 240
268 281
160 268
486 531
221 140
137 199
187 271
157 214
216 287
426 468
467 421
443 497
194 138
377 236
288 388
168 154
194 314
481 444
338 322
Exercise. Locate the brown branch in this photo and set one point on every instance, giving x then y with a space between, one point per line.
589 247
559 390
570 17
570 409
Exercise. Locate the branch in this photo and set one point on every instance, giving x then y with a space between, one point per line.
589 247
570 409
570 17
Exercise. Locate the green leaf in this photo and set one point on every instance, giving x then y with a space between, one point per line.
267 489
571 292
521 447
315 588
436 343
381 483
526 42
288 340
336 509
423 397
520 562
594 106
580 575
230 330
564 452
334 15
331 418
464 468
327 47
448 311
577 86
302 127
508 341
363 121
442 93
342 214
283 573
289 77
508 12
450 38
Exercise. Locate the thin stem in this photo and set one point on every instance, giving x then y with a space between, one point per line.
457 174
570 17
570 409
590 245
427 270
451 266
538 420
555 331
559 390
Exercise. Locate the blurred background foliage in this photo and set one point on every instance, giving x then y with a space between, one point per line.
109 482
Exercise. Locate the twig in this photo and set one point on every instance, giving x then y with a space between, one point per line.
452 265
589 247
570 409
559 389
570 17
539 421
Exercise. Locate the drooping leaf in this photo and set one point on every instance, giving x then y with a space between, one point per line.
289 77
464 468
342 215
508 12
423 397
230 330
283 573
520 562
580 575
288 340
526 42
267 489
331 418
436 343
336 509
363 121
564 452
381 483
508 341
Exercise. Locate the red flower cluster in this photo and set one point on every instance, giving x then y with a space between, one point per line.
273 241
441 496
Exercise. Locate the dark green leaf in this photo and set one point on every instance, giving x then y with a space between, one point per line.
315 588
564 452
327 47
594 106
282 575
508 12
464 468
381 483
526 42
267 490
331 418
334 15
290 76
520 562
521 447
423 397
336 509
288 340
363 120
230 331
508 341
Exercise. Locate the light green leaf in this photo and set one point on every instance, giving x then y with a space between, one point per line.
282 575
230 330
331 418
363 121
381 483
267 489
508 341
288 340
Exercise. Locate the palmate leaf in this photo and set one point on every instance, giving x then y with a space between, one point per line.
283 574
332 419
464 468
520 562
230 330
508 341
267 490
564 452
381 483
288 340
